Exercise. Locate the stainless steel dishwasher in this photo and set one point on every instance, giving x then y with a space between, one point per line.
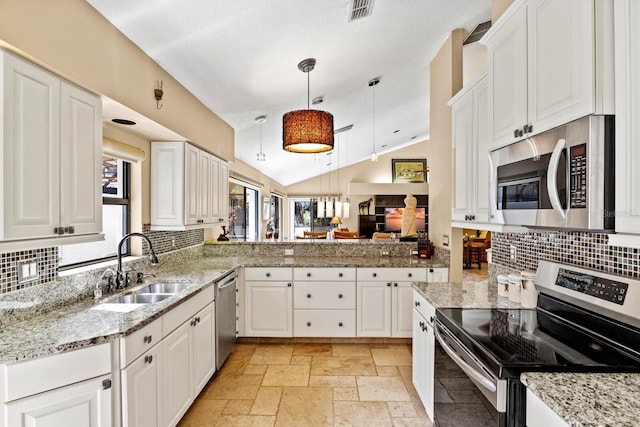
225 300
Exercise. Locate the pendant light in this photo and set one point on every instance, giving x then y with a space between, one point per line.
372 83
307 131
261 120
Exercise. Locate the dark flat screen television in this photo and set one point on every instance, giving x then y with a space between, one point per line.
393 219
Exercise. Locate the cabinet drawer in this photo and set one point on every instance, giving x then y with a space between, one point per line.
324 274
132 346
180 314
331 295
267 273
27 378
393 274
324 323
423 307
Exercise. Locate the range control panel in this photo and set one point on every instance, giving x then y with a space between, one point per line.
578 172
605 289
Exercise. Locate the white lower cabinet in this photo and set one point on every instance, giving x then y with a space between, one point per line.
188 361
423 348
268 302
384 301
67 389
540 415
84 404
167 363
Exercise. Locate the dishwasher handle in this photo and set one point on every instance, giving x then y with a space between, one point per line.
225 281
484 381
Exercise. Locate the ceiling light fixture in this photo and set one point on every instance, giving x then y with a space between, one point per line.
261 120
307 131
372 83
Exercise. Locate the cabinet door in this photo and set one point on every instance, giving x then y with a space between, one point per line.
373 309
224 191
627 65
192 185
216 198
205 191
167 183
141 391
84 404
81 161
268 309
479 182
561 61
462 139
30 150
401 303
177 368
439 274
507 63
203 348
423 357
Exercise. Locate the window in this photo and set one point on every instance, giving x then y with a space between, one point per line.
304 218
115 217
274 224
243 212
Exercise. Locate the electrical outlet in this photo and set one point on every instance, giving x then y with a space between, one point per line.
27 271
513 252
288 252
173 242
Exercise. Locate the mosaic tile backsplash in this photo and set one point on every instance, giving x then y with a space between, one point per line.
588 250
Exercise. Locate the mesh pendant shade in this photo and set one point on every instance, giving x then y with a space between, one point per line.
307 131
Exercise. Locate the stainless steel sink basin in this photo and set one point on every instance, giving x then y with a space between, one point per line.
163 288
140 298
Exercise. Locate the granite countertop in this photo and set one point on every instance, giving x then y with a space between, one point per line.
76 324
580 399
583 399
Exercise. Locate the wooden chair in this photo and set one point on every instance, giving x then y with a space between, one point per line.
315 234
345 235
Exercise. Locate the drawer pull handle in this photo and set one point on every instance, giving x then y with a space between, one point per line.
417 303
308 323
308 295
340 324
147 339
148 359
421 324
339 295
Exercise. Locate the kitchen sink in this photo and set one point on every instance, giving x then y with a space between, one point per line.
163 288
140 298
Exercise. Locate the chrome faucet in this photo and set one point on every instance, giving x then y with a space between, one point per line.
97 292
120 276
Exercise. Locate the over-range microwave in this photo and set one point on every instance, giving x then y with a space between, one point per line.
561 178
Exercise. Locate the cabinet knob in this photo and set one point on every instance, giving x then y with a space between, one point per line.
308 295
431 319
410 275
431 270
375 274
58 230
395 285
339 295
421 324
515 133
389 284
530 128
416 303
340 324
424 328
106 384
198 319
308 323
147 339
193 322
268 274
148 359
308 274
339 274
69 230
289 284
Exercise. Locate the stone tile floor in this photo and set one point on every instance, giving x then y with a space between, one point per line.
311 385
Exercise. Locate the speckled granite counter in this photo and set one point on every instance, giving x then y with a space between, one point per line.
34 326
580 399
589 399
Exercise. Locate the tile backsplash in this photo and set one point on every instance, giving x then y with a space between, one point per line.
47 258
589 250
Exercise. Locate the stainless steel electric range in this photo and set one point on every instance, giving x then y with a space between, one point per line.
585 321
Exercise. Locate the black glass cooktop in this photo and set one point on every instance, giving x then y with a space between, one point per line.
510 341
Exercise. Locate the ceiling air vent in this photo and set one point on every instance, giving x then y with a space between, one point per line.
360 9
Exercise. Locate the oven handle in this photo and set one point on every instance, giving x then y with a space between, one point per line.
552 182
484 381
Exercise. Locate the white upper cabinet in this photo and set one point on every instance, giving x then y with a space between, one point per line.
548 64
627 65
470 139
189 187
52 154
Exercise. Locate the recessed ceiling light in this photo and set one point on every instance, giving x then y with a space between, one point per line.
317 100
414 137
126 122
396 131
383 145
